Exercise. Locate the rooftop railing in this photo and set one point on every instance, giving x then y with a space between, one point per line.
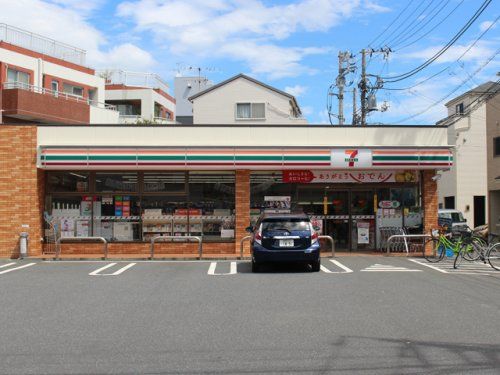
41 44
137 79
57 94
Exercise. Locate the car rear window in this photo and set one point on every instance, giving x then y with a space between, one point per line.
285 224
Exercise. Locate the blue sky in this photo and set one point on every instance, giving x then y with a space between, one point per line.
292 45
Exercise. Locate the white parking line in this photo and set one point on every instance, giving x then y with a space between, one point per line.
345 268
17 268
213 266
116 273
7 265
427 265
387 268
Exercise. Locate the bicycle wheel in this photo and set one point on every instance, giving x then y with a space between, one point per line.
459 258
438 250
475 248
493 256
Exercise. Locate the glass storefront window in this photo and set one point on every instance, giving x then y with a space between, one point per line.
116 182
165 182
67 182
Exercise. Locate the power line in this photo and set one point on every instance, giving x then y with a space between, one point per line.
457 60
433 28
453 91
411 24
392 23
406 75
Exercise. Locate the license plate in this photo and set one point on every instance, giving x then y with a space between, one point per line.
286 243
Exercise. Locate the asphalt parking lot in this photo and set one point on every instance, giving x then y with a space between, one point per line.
359 315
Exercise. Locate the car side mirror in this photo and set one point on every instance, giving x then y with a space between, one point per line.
249 229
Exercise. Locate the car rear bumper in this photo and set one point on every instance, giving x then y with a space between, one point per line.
263 255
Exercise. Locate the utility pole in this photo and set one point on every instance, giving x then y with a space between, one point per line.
354 109
363 87
340 85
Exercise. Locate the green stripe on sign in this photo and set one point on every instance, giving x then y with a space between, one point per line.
259 157
112 157
428 158
309 158
65 157
208 158
395 158
161 157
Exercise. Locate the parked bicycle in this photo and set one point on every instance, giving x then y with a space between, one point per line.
444 240
489 251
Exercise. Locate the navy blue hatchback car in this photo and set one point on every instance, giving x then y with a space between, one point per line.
284 238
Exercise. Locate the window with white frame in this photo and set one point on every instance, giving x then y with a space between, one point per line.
16 76
250 111
72 89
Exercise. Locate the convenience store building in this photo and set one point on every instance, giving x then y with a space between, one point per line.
128 183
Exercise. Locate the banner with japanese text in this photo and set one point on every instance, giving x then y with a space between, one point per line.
327 176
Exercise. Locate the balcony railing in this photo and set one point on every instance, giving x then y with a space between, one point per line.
57 94
138 79
134 119
41 44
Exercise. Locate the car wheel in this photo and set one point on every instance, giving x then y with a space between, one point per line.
255 267
316 265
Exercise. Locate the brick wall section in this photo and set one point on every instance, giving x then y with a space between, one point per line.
242 203
20 186
429 202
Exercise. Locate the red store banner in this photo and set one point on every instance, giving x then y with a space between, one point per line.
319 176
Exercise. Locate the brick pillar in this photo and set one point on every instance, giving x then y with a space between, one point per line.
429 202
21 190
242 203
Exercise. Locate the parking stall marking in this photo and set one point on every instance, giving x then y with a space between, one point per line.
388 268
213 265
16 268
465 268
7 265
98 271
339 265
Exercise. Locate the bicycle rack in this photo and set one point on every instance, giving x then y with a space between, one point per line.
62 239
329 238
404 237
188 238
241 244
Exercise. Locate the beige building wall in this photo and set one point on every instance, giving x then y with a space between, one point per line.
468 177
219 106
493 130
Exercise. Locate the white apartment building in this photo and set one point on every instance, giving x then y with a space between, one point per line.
42 80
469 185
245 100
139 97
184 88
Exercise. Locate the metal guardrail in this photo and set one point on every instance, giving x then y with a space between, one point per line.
188 238
241 244
329 238
404 237
61 239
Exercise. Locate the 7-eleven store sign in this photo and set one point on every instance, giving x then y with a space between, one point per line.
351 158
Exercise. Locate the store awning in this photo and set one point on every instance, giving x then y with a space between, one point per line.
184 158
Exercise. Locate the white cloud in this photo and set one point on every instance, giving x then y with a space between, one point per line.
479 52
244 30
66 21
296 90
485 25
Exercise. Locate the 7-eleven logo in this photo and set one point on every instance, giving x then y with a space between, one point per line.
351 157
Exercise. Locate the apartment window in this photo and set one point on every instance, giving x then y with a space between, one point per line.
73 90
459 109
496 146
250 111
15 76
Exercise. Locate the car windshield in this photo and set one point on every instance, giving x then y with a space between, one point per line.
457 217
285 224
